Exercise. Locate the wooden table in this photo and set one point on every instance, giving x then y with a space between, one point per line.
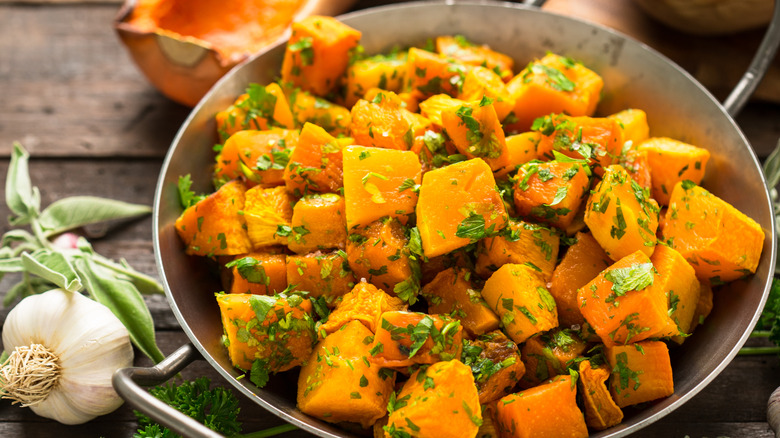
70 94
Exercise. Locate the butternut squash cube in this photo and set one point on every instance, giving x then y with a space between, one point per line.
720 242
453 293
522 148
383 123
601 412
552 191
482 81
407 338
315 165
364 303
546 411
552 85
308 108
378 254
260 108
672 161
215 226
386 72
437 401
703 306
476 55
458 204
258 272
496 365
255 156
476 131
583 261
677 281
550 354
267 211
339 384
429 73
522 243
596 139
379 182
258 339
517 293
318 222
622 305
633 124
640 373
432 107
317 54
320 274
621 215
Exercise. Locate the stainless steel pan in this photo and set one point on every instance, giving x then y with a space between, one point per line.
635 76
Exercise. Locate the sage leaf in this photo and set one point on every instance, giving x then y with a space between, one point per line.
28 286
77 211
144 283
13 236
771 167
13 264
52 266
124 300
22 198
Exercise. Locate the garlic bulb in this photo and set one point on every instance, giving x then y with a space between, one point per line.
64 348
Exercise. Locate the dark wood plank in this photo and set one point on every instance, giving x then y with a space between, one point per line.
70 89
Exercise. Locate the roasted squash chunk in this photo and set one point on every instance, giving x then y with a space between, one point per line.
268 213
641 372
406 338
321 274
365 303
495 363
318 222
453 293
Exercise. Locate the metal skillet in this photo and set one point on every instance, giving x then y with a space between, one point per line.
635 76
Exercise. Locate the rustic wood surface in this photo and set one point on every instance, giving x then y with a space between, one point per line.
71 95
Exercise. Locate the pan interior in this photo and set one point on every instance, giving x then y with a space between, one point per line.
634 76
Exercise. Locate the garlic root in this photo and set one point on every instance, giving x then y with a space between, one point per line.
29 375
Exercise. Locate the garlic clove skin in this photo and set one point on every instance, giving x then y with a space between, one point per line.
90 343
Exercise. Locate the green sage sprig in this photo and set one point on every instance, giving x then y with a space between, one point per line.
44 265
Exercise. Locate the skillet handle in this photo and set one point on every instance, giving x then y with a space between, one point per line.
758 66
126 382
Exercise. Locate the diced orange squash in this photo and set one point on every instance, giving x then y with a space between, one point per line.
407 338
677 281
434 106
364 303
257 336
458 204
429 73
383 123
430 267
315 165
339 384
482 81
318 223
260 108
385 72
216 225
320 274
437 401
453 293
258 272
640 373
581 263
308 108
551 191
633 123
637 165
621 215
496 363
546 411
720 242
378 253
379 182
317 53
522 243
601 412
517 293
466 52
552 85
254 156
550 354
622 306
703 307
265 211
522 149
597 139
476 131
672 161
